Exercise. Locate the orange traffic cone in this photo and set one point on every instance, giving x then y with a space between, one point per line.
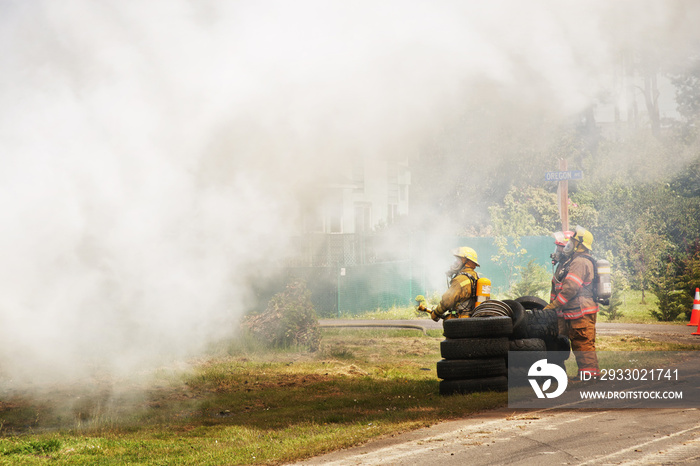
695 315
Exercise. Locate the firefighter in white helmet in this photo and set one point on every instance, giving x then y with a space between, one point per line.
560 261
572 298
460 297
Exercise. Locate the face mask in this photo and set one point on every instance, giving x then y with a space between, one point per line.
568 249
456 267
557 255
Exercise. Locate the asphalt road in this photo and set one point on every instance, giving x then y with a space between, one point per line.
543 437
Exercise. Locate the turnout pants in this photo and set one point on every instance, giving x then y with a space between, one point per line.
581 333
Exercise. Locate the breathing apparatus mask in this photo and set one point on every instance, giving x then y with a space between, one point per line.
557 255
564 248
457 265
568 249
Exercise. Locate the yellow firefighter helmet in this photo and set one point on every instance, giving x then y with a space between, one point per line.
584 237
466 253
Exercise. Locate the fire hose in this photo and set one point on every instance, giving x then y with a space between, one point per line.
492 308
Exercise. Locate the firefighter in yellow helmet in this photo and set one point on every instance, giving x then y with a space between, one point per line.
573 301
460 297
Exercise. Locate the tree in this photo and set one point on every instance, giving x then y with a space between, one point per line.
670 302
477 157
675 286
535 280
649 67
645 251
509 256
640 222
688 278
525 212
687 83
582 210
670 298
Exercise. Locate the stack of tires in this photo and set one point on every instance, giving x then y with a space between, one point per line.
475 353
475 350
538 334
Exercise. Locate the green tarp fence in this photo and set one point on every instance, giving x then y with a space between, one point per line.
353 289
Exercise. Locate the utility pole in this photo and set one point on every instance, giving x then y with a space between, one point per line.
563 192
563 176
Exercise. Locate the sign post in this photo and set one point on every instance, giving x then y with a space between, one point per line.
563 176
563 197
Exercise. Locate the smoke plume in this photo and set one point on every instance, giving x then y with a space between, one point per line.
154 154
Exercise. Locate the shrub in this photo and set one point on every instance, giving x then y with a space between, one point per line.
689 279
289 319
535 281
613 310
672 302
620 284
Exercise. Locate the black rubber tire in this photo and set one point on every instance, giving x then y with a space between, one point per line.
560 343
532 302
527 344
519 316
542 324
520 332
517 376
564 344
474 327
474 348
464 369
559 350
529 350
454 387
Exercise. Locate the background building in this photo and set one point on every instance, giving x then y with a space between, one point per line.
374 194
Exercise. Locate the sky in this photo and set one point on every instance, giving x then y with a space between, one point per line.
154 156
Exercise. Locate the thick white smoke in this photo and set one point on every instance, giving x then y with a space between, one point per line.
153 153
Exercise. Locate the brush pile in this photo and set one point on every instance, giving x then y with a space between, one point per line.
289 320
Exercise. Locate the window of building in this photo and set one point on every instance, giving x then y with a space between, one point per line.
334 211
363 218
392 213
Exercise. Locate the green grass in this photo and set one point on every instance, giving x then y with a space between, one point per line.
634 343
246 405
635 312
394 313
243 405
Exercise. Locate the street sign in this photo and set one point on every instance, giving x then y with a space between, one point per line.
564 176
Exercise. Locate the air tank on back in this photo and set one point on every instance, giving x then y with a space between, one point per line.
604 286
483 290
